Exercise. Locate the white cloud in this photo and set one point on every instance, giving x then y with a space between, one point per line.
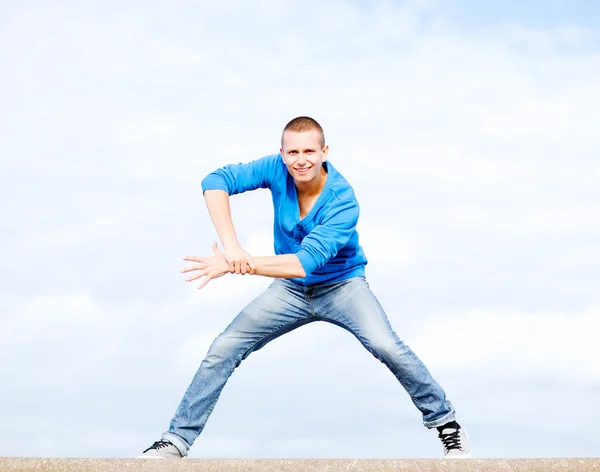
558 219
547 40
580 287
552 344
388 247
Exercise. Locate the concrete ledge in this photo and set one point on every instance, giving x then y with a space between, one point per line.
298 465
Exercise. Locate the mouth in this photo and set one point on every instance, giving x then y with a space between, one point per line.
303 170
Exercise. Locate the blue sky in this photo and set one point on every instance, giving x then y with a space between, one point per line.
469 136
537 15
533 13
474 15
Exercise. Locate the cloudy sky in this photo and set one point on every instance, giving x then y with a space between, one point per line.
469 133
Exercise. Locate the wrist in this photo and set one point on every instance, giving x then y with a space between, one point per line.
230 244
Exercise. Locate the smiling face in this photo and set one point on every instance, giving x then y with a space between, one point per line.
304 154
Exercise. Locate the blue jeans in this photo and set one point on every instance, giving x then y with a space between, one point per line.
285 306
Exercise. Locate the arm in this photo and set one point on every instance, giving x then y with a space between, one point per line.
282 266
320 245
326 239
238 260
217 202
231 180
243 177
213 267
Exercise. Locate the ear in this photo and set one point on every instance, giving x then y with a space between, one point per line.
325 152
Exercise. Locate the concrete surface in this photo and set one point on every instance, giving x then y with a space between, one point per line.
298 465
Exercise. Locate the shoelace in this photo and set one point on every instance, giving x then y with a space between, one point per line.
451 440
159 444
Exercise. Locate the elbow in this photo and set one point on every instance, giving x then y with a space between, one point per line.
299 272
214 181
305 264
205 183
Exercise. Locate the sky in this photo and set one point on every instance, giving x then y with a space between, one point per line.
468 131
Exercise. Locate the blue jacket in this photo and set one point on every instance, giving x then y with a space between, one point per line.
325 241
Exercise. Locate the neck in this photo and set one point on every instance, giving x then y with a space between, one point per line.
314 187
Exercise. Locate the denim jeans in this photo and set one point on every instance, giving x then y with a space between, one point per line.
285 306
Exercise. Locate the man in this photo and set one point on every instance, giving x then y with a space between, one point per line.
319 272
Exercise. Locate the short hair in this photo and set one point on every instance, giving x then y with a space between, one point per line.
302 124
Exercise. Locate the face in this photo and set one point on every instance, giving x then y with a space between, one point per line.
303 154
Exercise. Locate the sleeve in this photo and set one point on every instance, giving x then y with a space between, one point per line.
327 238
239 178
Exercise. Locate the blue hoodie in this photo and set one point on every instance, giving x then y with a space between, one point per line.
325 241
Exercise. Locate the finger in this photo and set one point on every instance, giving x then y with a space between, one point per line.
243 268
215 248
238 267
231 267
196 276
204 282
251 263
194 258
194 267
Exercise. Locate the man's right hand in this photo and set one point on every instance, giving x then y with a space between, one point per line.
240 262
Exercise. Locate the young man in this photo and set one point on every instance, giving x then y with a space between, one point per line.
319 273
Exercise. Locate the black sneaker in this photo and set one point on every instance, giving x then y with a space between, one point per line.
161 450
455 441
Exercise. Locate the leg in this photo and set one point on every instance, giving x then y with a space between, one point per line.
276 311
351 305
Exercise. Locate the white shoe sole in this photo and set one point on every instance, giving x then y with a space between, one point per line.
464 456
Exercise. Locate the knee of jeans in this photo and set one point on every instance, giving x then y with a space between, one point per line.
221 350
386 349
